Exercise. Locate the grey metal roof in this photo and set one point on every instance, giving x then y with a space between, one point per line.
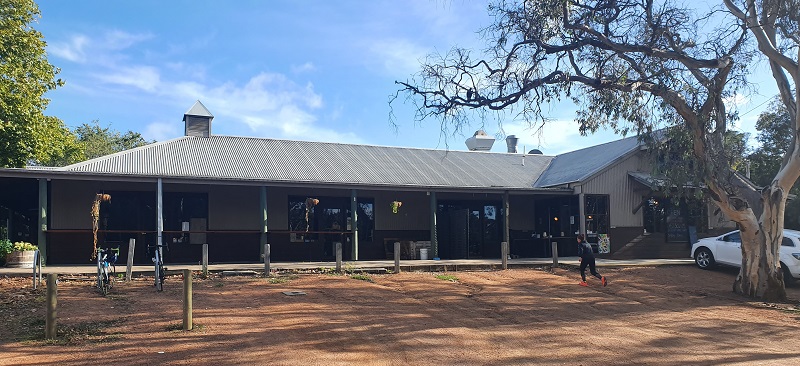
580 164
260 159
198 109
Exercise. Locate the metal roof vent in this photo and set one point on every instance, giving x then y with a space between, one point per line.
511 142
480 141
535 152
198 120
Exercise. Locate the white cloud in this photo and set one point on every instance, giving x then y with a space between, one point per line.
555 137
398 56
146 78
735 101
267 104
160 131
306 67
101 50
72 50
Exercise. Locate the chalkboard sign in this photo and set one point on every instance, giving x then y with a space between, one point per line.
692 234
677 230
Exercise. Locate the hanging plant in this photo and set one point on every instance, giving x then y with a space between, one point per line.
310 202
98 198
396 206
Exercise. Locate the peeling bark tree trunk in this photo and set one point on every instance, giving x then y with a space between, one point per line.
761 275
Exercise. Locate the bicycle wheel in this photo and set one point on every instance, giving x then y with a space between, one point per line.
159 271
105 283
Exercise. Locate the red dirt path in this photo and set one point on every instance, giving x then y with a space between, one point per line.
656 316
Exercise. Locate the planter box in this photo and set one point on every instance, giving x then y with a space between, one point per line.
22 259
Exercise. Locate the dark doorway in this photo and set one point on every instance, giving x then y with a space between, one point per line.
469 230
19 208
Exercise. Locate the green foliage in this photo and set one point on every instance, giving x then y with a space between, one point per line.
5 247
98 141
774 128
362 277
26 134
22 246
447 277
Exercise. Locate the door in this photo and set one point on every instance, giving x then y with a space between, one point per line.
459 233
729 249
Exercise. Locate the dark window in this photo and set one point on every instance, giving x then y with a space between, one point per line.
596 211
734 237
329 213
129 211
787 242
180 207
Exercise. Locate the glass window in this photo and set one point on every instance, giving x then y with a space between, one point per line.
787 242
596 210
734 237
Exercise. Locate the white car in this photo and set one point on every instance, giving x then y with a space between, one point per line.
727 249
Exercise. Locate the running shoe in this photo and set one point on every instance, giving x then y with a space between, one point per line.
603 280
584 284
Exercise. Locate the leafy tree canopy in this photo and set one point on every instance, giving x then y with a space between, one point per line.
98 141
27 136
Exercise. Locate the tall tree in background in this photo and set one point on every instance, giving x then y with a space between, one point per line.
636 66
27 136
774 128
98 141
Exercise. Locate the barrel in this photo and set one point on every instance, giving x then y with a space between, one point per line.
22 259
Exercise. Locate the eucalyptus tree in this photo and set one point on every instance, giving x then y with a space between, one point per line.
636 66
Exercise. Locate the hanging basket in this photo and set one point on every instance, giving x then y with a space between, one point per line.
396 206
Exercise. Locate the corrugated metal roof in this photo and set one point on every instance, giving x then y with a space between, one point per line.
246 158
578 165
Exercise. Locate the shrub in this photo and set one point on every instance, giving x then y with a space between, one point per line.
22 246
5 248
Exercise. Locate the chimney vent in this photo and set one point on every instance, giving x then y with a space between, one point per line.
198 121
480 141
511 142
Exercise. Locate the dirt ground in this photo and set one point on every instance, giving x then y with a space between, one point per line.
674 315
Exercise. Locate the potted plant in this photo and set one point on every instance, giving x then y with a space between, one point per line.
6 247
396 206
22 255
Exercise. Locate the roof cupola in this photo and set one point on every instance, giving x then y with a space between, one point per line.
198 120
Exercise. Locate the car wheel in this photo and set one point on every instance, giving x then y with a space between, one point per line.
788 280
703 258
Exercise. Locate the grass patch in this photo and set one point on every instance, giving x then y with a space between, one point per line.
327 271
362 277
447 277
219 284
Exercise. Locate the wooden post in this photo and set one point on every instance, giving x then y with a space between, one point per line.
187 299
205 260
397 257
555 252
504 253
131 250
52 301
267 271
338 257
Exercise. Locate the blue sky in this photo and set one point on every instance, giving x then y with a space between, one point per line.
306 70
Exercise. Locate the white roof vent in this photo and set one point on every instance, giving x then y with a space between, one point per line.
480 141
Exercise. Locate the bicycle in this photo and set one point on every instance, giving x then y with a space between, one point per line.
158 262
106 268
